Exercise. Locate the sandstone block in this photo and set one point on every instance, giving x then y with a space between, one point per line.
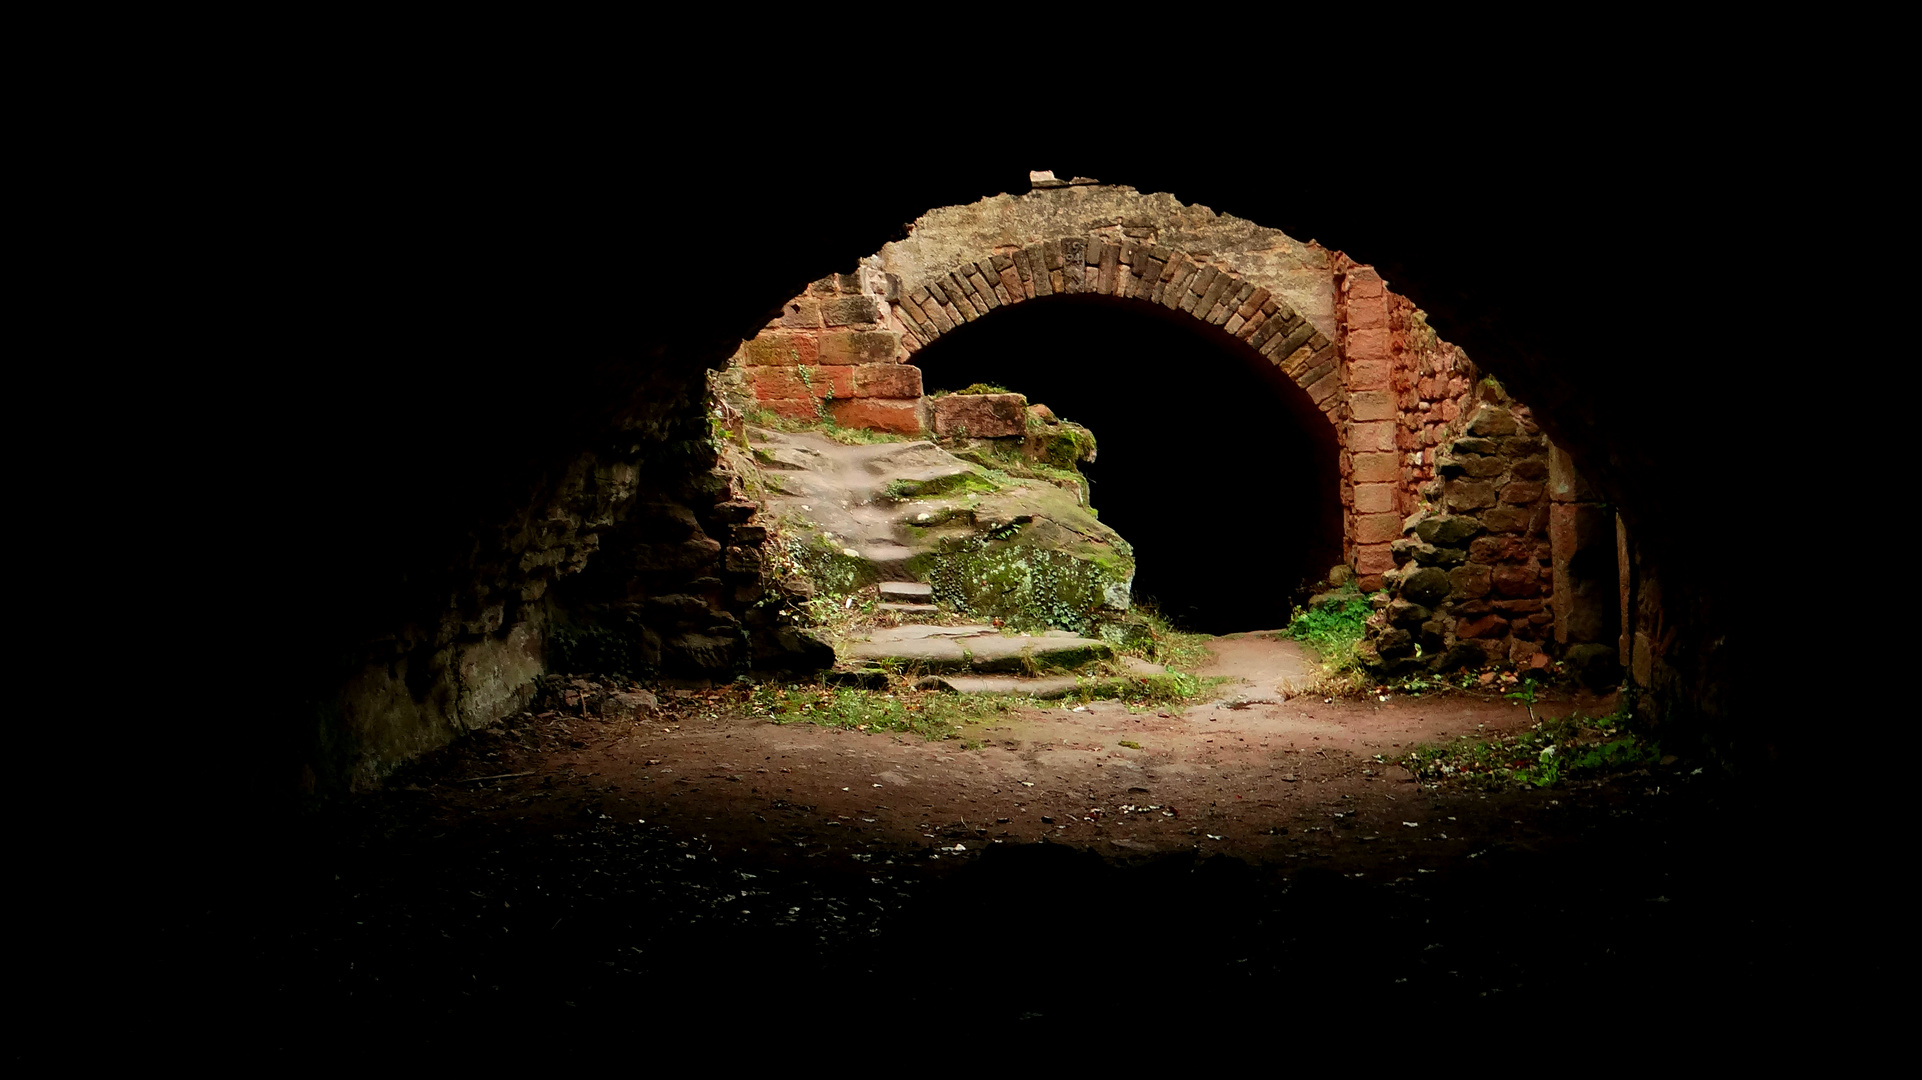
1375 498
1468 494
801 409
801 382
1521 492
1377 528
777 348
980 416
1376 469
1490 625
1377 436
1492 420
1512 579
880 414
1508 519
1372 560
851 310
857 346
887 381
1371 405
1445 530
803 313
1470 581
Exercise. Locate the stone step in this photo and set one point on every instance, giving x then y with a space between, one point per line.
910 609
907 592
975 649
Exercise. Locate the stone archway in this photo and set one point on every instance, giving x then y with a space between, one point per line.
1382 380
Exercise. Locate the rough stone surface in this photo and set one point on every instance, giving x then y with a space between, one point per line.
981 416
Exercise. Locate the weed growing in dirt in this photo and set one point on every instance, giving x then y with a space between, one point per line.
1166 645
1542 756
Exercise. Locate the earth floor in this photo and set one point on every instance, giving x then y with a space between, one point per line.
1250 859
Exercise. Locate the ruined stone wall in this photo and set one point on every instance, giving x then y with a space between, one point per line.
1474 567
677 590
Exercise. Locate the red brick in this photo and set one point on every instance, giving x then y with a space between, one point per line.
1364 283
879 414
780 349
1377 528
1375 498
887 381
1377 469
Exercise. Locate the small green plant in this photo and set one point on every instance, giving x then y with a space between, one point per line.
984 388
1333 628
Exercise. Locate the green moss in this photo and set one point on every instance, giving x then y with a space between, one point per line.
1029 587
956 484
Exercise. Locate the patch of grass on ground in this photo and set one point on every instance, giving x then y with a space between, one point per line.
1333 628
1167 645
853 709
1542 756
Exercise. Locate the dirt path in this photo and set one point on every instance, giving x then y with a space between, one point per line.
1239 860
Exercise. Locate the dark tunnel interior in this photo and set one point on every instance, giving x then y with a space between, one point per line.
1195 431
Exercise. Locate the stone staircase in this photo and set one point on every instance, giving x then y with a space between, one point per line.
910 600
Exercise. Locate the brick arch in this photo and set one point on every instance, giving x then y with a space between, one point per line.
1100 266
1366 359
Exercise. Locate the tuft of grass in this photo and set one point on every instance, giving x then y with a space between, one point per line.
1165 644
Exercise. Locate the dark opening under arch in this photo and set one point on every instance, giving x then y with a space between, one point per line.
1212 462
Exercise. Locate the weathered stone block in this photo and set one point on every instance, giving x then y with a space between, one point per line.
1377 436
1508 519
1492 420
1446 531
851 310
1375 498
777 348
1487 626
980 416
887 381
1516 579
1469 581
801 382
1376 469
1529 469
880 414
858 346
803 313
1377 528
1372 405
1427 586
1468 495
1521 492
801 409
1373 560
1470 465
